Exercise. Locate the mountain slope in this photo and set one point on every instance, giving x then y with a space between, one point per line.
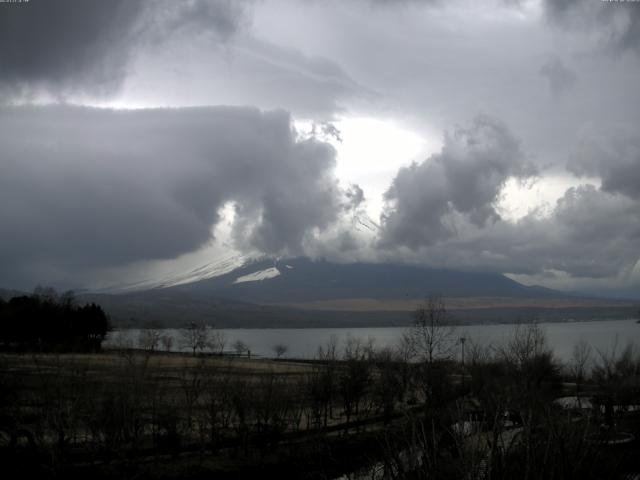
303 293
302 280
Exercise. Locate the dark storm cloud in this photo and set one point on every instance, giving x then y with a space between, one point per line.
614 157
616 23
560 77
589 219
444 210
65 47
466 178
590 233
65 44
85 187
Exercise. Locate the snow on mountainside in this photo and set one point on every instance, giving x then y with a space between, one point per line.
360 222
259 275
320 280
269 292
216 268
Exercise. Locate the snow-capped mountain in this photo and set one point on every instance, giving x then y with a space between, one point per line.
293 281
220 266
301 292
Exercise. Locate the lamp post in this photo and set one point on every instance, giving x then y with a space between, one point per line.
462 340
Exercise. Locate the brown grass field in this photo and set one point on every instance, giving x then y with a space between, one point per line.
454 303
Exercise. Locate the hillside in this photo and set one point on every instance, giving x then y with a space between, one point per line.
302 280
303 293
300 293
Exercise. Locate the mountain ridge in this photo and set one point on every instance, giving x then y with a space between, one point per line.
301 293
303 280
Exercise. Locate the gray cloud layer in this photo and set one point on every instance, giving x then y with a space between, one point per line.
614 157
82 188
589 233
90 48
615 24
560 77
66 47
85 187
80 44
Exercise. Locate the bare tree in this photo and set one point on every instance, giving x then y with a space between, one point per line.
387 386
194 337
46 294
121 340
404 353
354 377
217 341
322 383
240 347
167 342
616 373
530 361
432 335
328 352
527 342
280 349
579 362
149 339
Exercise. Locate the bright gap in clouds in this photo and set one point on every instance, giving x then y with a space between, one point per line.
372 150
118 105
537 196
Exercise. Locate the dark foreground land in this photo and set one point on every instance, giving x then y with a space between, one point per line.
365 413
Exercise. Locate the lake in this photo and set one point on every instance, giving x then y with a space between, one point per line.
304 342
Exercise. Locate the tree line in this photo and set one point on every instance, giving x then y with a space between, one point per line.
46 321
414 409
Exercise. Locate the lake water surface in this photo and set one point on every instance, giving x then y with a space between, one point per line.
303 342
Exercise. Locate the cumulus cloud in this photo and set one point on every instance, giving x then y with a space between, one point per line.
613 156
168 175
463 180
85 187
442 211
588 234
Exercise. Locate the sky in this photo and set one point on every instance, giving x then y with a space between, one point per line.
144 137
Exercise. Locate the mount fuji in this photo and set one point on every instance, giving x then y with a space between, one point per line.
300 292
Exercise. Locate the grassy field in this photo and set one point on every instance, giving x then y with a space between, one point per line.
141 414
173 416
460 303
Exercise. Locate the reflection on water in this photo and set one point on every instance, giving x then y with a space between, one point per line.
304 342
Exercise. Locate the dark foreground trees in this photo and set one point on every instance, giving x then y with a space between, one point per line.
46 321
353 406
411 412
